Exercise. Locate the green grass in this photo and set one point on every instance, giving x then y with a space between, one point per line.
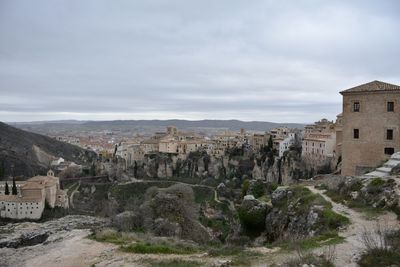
325 239
128 243
147 248
113 237
333 220
175 263
377 182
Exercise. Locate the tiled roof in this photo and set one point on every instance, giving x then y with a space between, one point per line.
33 185
374 86
13 198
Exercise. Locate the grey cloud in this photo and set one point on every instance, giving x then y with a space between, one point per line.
253 60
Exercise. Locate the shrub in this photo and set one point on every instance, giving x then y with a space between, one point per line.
377 182
245 187
252 215
382 247
333 220
379 257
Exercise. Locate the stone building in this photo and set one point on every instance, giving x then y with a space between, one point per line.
34 194
371 120
319 144
258 140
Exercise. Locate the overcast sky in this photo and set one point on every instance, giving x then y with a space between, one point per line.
282 61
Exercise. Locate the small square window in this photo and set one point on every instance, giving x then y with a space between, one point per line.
390 106
389 134
389 150
356 106
356 133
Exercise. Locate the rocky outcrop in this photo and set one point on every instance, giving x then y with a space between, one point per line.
379 193
296 212
252 214
17 235
285 170
25 240
173 212
240 164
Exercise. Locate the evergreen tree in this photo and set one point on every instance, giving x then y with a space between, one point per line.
2 170
7 190
115 150
92 171
14 188
270 143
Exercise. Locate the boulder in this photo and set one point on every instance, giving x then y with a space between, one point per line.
127 221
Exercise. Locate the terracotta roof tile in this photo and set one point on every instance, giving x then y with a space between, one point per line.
375 86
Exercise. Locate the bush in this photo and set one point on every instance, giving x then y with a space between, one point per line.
382 247
379 257
128 221
377 182
245 187
252 215
333 220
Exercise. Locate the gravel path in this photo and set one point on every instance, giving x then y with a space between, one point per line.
347 253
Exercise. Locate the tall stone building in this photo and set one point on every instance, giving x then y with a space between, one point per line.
371 121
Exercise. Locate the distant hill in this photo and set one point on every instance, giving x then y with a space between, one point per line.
228 124
132 125
25 153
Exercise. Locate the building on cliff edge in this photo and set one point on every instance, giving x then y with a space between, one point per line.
32 198
370 126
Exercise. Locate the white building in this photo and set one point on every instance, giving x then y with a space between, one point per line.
30 201
286 143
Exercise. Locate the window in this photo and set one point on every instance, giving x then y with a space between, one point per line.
389 134
356 133
390 106
389 150
356 106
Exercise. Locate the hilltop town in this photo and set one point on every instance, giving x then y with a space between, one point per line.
241 189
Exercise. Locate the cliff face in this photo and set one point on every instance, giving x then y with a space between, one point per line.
202 166
26 154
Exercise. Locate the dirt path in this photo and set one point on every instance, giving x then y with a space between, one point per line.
71 199
348 252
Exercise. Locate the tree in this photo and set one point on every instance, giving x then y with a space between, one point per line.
14 190
7 190
92 171
115 150
2 170
270 143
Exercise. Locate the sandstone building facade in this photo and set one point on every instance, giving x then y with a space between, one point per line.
319 144
371 121
32 197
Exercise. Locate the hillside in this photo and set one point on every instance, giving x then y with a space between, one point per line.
31 153
139 126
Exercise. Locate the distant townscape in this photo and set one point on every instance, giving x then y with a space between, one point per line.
179 190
